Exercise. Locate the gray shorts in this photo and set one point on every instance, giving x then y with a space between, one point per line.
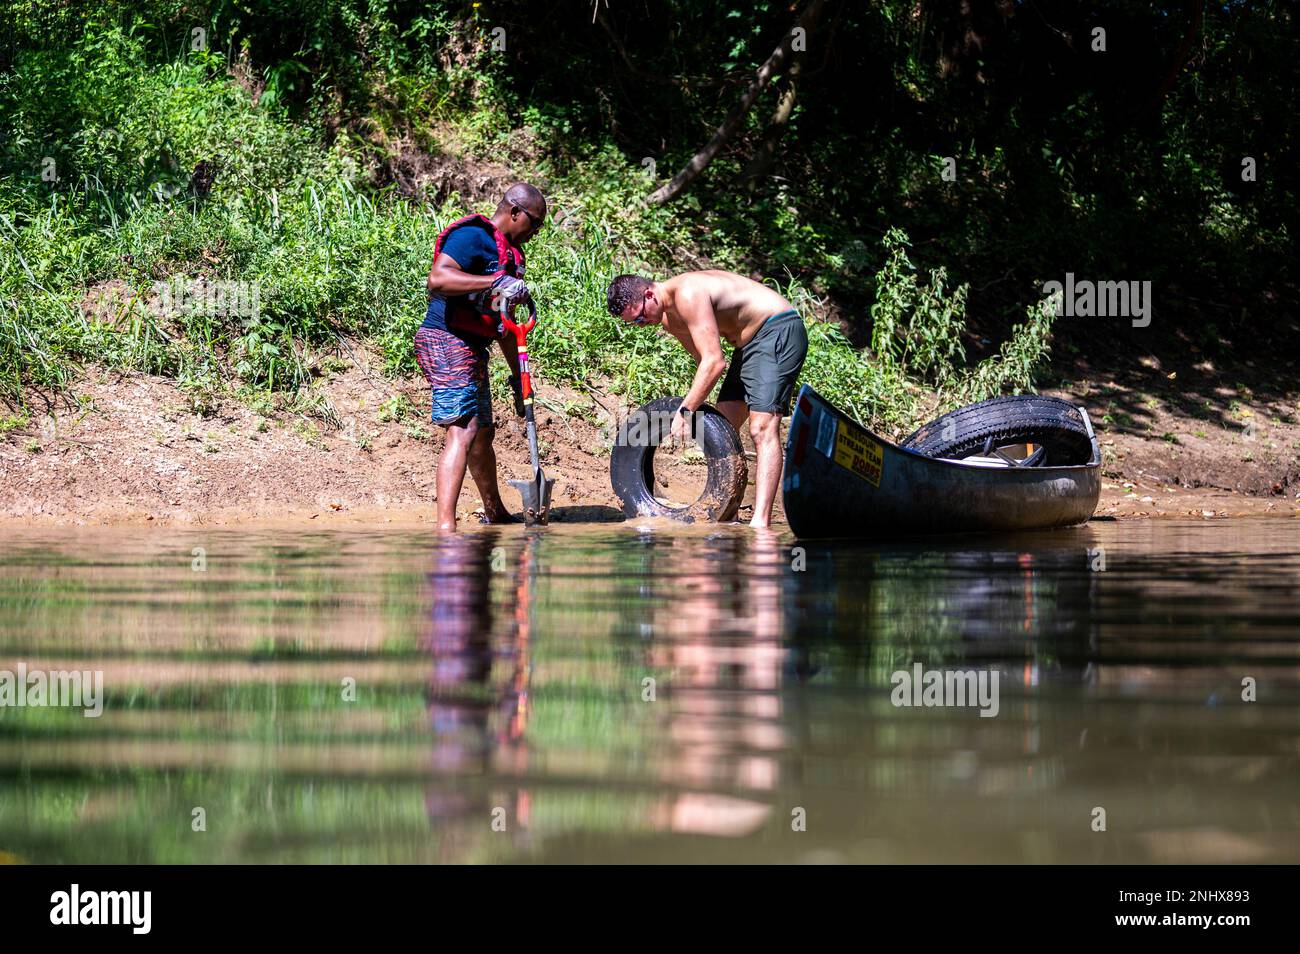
763 372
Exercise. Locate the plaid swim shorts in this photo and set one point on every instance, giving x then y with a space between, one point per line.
457 372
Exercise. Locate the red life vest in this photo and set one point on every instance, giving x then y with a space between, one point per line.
473 313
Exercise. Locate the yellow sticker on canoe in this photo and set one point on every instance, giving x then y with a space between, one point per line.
859 454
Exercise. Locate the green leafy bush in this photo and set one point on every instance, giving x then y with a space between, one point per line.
330 256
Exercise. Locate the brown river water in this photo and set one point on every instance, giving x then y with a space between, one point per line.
622 694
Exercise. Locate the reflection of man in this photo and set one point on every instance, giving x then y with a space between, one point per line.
474 722
713 647
460 645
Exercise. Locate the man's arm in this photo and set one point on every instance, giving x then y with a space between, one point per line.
447 277
688 344
704 344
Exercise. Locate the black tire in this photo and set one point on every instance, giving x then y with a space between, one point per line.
1057 425
631 463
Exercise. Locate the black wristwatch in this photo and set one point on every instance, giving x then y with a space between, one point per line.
684 411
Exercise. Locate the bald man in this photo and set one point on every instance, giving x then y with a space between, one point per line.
477 276
700 309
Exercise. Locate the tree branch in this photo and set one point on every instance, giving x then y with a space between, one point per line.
684 82
762 78
779 122
1181 57
765 155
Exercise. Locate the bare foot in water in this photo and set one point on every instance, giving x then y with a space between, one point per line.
497 514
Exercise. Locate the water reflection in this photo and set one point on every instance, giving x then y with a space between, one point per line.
478 691
717 636
637 694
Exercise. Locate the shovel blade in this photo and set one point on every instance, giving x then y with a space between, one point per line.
536 494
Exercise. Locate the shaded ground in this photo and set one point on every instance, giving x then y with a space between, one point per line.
1217 414
133 448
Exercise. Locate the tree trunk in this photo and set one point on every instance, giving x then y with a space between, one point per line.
678 184
1181 56
765 156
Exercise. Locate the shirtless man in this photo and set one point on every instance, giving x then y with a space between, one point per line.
699 309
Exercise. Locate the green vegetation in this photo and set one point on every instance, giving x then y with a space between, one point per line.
275 149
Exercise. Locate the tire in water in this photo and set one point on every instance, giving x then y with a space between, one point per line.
631 463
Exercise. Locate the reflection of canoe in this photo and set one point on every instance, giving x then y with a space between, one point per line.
841 480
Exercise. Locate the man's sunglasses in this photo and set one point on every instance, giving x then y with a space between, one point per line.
534 220
640 318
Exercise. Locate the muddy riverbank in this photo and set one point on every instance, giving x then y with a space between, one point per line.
132 448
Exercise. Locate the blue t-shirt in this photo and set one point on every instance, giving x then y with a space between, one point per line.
475 251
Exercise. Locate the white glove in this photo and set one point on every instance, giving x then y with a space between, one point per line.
507 292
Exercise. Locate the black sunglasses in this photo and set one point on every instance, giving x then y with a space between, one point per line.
640 318
534 220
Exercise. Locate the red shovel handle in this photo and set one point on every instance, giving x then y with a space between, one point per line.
521 342
521 331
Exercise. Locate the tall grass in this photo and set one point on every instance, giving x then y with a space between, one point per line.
330 256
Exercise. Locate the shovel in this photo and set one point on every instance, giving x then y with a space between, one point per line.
536 492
